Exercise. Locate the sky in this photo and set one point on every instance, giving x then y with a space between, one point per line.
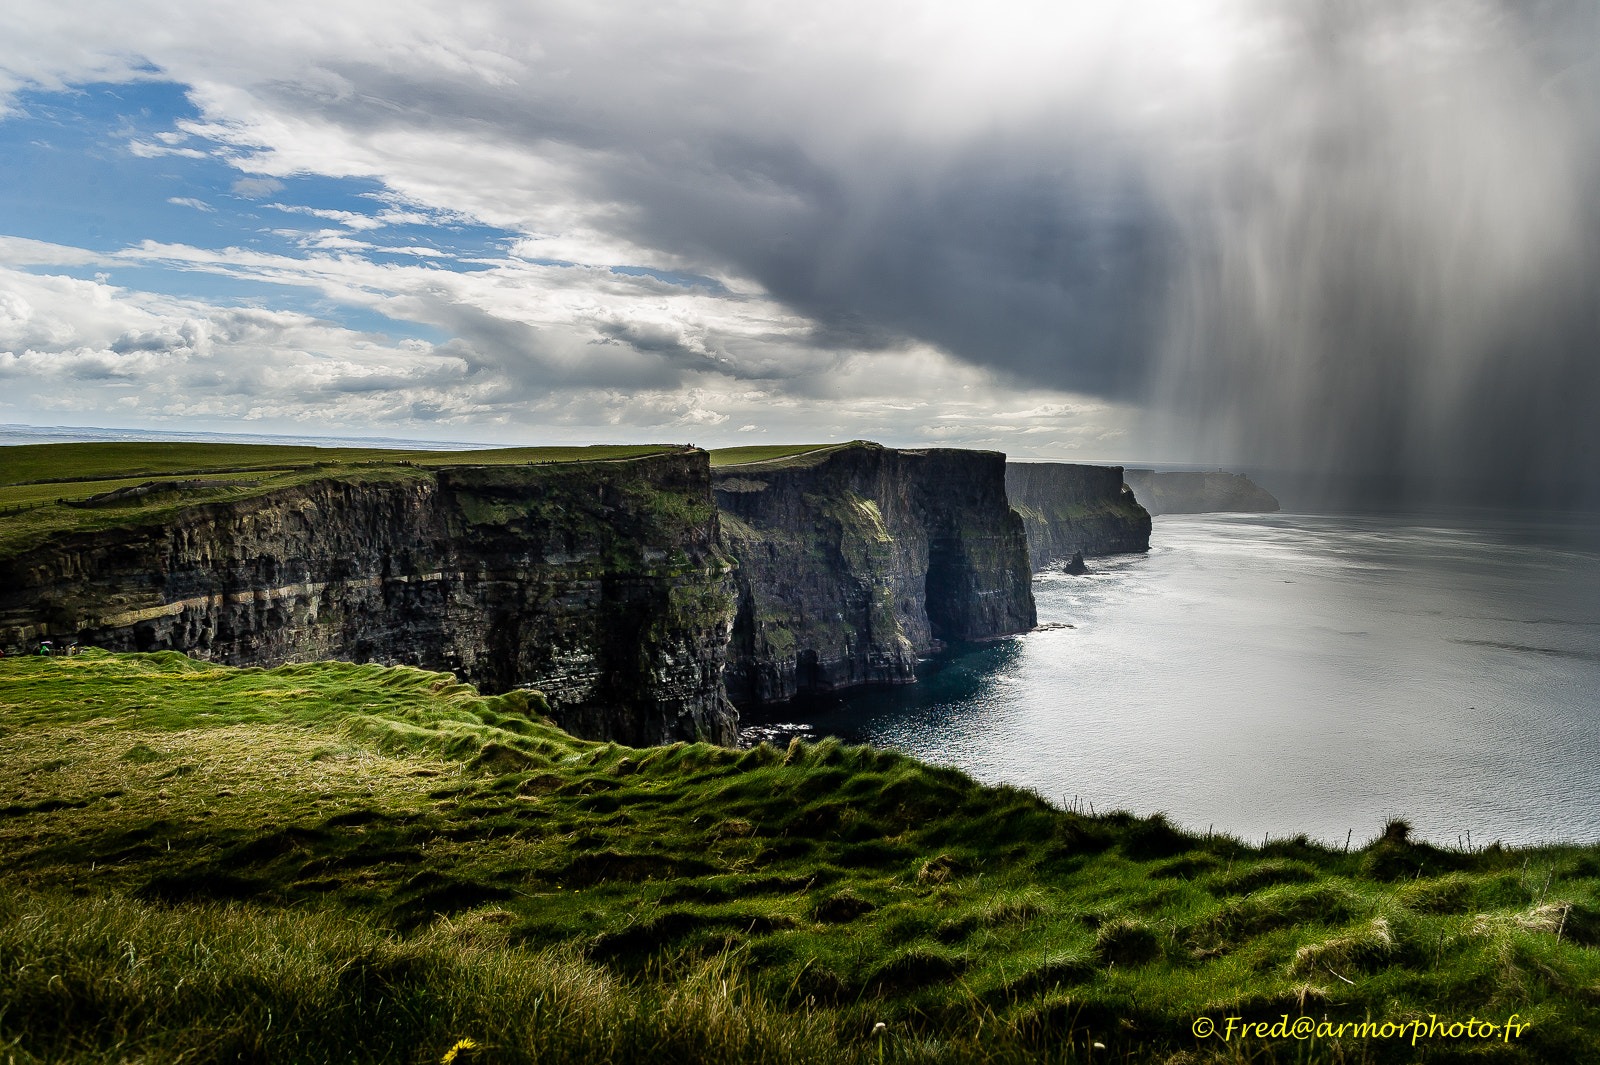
1341 237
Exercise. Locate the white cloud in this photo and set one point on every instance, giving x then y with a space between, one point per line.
894 195
254 188
333 240
714 146
349 219
190 201
67 344
25 252
146 150
70 348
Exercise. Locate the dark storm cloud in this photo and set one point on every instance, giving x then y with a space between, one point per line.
1043 268
1344 236
1375 248
1393 270
1042 253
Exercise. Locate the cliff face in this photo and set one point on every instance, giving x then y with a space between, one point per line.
600 583
1067 508
1201 493
608 585
853 562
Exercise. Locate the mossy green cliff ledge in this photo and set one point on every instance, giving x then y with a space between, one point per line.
1069 508
854 560
600 583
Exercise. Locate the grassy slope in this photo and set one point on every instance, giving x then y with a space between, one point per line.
333 863
34 476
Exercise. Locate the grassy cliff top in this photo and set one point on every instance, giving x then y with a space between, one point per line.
37 481
35 463
332 862
773 455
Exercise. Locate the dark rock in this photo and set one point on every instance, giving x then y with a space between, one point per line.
607 585
1070 509
600 583
854 561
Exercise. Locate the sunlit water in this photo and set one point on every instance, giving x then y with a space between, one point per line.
1286 674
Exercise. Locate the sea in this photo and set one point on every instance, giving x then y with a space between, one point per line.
1263 676
1267 676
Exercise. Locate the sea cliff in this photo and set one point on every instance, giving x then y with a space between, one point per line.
600 583
627 590
853 561
1200 493
1069 509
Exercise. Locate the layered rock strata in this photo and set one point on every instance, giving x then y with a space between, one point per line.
601 583
854 561
1201 493
1069 509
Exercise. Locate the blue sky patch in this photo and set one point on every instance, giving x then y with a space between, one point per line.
106 167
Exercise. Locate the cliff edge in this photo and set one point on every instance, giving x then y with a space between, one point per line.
855 560
601 583
638 592
1069 509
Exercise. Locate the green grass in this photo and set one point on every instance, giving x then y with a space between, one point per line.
34 476
50 491
774 453
30 463
219 982
36 521
347 863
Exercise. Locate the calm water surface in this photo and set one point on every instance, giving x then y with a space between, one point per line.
1280 674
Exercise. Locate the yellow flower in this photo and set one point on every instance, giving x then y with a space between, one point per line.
461 1044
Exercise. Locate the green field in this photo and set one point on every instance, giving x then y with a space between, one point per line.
773 453
333 863
31 463
33 477
32 495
